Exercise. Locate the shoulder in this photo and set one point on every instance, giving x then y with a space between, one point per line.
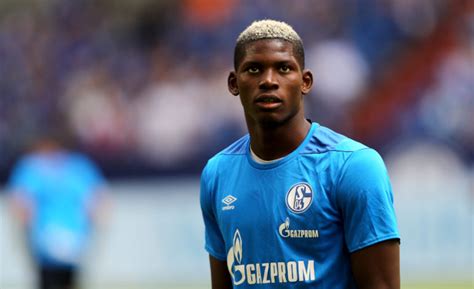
365 165
342 153
80 159
84 168
239 147
236 149
224 161
24 173
27 162
324 140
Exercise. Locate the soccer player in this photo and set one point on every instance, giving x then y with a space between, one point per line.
294 204
56 194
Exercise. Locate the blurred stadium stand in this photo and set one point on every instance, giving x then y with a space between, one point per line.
141 86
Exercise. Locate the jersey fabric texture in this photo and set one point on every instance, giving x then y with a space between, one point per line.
60 188
295 222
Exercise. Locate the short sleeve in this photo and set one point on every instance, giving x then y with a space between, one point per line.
215 244
23 181
365 200
90 173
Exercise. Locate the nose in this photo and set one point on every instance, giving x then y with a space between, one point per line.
268 80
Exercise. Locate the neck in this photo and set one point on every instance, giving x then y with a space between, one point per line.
273 141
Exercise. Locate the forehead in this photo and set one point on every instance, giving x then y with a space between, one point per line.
268 50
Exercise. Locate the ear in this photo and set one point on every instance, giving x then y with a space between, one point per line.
232 83
307 81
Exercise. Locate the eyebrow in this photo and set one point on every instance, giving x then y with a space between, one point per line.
287 62
246 63
290 63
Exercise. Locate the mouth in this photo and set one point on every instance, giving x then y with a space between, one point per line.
268 101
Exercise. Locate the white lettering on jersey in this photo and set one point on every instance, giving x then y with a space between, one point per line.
266 272
285 232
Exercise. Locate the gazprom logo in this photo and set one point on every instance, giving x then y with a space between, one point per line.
299 198
285 231
268 272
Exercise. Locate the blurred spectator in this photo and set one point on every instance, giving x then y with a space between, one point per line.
56 195
341 75
447 110
132 78
97 112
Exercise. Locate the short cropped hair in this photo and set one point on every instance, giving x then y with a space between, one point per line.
268 29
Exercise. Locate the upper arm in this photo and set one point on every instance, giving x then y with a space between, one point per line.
215 245
214 241
220 277
377 266
21 187
365 201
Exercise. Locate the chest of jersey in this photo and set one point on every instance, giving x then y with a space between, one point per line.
281 220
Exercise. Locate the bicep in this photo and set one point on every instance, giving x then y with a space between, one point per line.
220 276
377 266
365 200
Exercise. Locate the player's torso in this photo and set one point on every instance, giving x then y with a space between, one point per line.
61 221
280 225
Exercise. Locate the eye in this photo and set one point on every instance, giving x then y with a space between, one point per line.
285 69
253 69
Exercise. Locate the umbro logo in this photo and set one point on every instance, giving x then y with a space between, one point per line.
228 201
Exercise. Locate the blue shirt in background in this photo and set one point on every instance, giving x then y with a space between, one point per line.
60 188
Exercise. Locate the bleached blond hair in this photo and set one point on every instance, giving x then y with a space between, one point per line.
268 29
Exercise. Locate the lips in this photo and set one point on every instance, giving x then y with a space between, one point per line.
268 102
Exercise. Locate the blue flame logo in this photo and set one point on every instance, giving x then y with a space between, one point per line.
234 260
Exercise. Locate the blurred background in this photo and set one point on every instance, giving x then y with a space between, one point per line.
141 87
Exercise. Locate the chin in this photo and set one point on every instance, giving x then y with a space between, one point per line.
271 121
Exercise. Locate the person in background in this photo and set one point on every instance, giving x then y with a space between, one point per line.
294 204
56 194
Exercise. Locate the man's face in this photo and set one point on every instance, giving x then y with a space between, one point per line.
270 82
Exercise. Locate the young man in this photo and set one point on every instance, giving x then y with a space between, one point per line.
294 204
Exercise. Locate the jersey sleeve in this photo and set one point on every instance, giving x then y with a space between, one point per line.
365 200
90 172
95 188
23 181
214 242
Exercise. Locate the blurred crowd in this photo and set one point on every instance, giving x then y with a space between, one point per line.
141 85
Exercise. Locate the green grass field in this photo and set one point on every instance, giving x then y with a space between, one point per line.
404 286
465 285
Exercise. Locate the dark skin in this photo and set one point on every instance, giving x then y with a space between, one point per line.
271 84
269 72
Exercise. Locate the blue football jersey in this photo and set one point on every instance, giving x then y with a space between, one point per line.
61 188
293 223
